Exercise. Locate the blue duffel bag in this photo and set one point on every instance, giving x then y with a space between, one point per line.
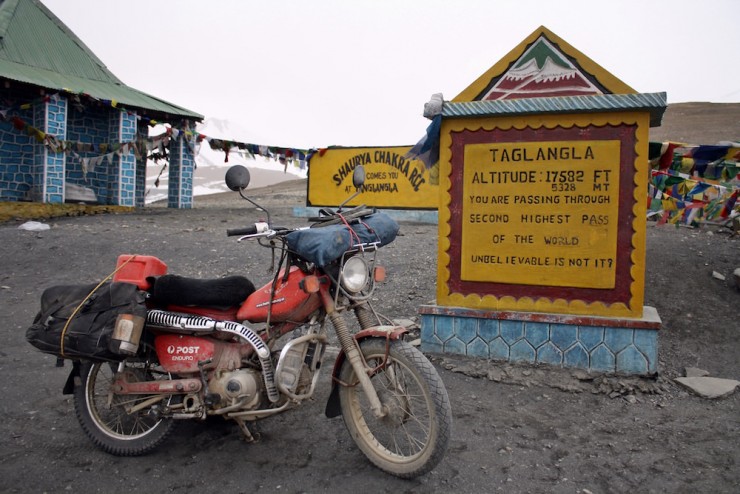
323 245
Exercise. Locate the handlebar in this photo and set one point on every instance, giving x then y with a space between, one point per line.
259 227
326 217
250 230
330 217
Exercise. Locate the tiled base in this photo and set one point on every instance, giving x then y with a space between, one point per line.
600 344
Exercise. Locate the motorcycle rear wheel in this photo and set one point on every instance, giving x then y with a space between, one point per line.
412 437
103 414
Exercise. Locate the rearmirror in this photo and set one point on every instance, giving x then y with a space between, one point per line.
358 176
237 178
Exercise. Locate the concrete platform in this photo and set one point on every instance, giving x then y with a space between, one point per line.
599 344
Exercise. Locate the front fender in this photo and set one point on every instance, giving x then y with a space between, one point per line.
385 332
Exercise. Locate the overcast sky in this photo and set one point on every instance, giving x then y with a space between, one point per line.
314 73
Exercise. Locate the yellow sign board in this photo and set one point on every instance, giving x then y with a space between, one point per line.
392 180
544 213
541 213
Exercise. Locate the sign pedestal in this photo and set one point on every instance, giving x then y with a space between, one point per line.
599 344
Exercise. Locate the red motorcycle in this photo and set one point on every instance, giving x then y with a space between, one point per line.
177 348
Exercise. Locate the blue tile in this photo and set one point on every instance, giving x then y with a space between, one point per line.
563 336
499 349
427 328
646 340
522 351
488 329
478 348
602 359
432 345
617 339
443 328
536 333
453 345
466 328
576 357
511 331
549 354
427 322
631 361
590 336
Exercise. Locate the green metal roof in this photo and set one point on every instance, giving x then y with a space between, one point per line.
37 48
655 103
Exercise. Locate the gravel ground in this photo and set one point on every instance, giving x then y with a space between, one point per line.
517 428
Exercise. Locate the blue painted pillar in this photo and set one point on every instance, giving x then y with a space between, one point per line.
182 172
142 132
51 118
124 175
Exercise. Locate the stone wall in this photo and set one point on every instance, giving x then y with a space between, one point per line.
31 171
17 165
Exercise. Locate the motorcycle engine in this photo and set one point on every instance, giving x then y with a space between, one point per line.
241 385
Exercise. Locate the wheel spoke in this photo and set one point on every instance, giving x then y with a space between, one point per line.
408 437
412 435
110 414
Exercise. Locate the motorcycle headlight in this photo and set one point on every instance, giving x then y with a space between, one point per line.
355 274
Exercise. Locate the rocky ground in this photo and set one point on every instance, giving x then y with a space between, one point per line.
517 428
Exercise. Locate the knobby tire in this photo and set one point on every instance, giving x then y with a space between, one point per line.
413 437
110 427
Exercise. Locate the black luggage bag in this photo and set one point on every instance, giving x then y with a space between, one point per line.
78 321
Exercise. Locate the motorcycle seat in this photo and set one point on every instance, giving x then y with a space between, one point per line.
171 289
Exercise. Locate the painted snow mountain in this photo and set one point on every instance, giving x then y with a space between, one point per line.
542 71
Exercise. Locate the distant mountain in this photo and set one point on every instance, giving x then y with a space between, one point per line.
211 165
699 123
221 128
691 123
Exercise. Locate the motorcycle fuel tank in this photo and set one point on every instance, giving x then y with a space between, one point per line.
290 302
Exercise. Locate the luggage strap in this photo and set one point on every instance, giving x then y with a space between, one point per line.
84 301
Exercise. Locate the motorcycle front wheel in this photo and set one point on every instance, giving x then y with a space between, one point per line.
108 419
412 436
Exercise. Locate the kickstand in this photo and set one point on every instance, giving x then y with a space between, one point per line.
248 436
